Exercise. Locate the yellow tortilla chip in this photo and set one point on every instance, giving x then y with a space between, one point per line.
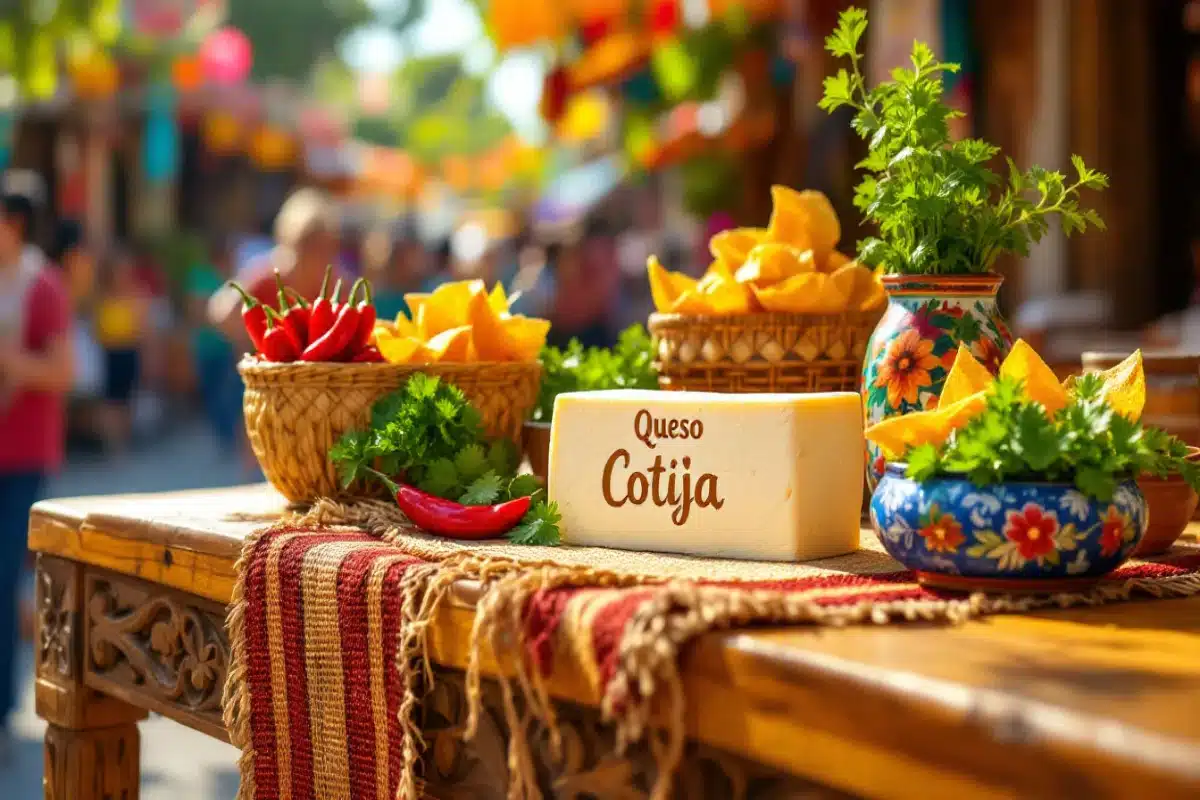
807 293
862 288
966 377
414 301
835 261
665 286
772 262
1041 384
805 219
503 337
690 302
526 335
497 299
404 326
1125 386
451 346
734 246
400 349
446 307
896 434
722 293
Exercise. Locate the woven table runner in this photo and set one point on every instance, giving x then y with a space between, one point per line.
331 611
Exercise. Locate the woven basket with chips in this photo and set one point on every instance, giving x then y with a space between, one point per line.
295 412
762 352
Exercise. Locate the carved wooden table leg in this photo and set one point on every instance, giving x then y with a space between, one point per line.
91 749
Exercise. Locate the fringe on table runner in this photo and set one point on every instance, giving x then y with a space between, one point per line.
643 696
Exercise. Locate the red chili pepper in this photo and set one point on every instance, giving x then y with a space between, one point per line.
333 343
295 317
321 315
302 312
456 521
278 344
368 355
366 322
254 316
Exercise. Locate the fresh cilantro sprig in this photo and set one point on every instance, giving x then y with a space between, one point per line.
938 206
427 434
1086 443
629 365
539 525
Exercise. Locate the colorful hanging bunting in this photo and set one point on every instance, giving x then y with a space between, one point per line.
8 126
187 74
611 59
227 56
160 142
520 23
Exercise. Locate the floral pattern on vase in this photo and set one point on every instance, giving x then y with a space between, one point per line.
913 346
1011 535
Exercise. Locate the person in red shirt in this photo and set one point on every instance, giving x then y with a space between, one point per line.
306 241
36 372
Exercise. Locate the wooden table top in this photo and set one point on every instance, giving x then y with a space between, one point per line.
1091 702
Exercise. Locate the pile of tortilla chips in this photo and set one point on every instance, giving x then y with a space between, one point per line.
968 381
460 322
792 265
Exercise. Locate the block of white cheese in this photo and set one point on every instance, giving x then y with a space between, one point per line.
774 477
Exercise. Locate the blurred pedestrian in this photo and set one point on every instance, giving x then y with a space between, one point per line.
533 288
306 242
36 365
213 355
403 271
587 280
72 254
122 319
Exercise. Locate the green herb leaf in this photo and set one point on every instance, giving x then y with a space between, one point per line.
938 205
441 478
1085 442
483 491
471 462
539 526
350 456
523 485
629 365
502 457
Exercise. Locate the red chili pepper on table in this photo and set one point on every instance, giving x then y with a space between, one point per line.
254 316
333 343
456 521
321 314
368 355
279 345
366 322
295 317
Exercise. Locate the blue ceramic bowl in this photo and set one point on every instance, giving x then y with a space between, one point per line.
1008 537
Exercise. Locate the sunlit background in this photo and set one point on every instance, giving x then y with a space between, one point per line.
542 143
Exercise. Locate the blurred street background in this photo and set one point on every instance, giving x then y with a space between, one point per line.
147 147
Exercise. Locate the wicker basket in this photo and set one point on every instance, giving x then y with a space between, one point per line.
762 352
295 412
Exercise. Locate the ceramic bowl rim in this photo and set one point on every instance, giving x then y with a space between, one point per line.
897 468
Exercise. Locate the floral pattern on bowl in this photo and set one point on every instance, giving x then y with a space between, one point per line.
1008 537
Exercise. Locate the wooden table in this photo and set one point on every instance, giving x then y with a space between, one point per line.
1086 703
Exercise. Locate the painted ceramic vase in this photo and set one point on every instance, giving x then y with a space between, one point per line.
1007 537
913 346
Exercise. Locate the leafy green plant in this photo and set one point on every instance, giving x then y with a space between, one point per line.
938 206
427 434
629 365
1085 442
